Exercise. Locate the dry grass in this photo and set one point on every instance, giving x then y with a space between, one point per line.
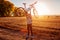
44 28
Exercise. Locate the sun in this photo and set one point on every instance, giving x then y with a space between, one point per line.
41 8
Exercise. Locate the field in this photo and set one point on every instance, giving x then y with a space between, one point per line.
44 28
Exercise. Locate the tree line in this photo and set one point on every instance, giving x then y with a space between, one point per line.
7 9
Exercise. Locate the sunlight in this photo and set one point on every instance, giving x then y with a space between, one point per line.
42 8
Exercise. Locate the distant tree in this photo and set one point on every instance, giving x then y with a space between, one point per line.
19 11
6 8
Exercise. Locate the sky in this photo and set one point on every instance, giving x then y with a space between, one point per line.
52 5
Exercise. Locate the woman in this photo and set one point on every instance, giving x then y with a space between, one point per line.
29 26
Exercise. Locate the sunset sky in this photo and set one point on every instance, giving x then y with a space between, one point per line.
53 6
